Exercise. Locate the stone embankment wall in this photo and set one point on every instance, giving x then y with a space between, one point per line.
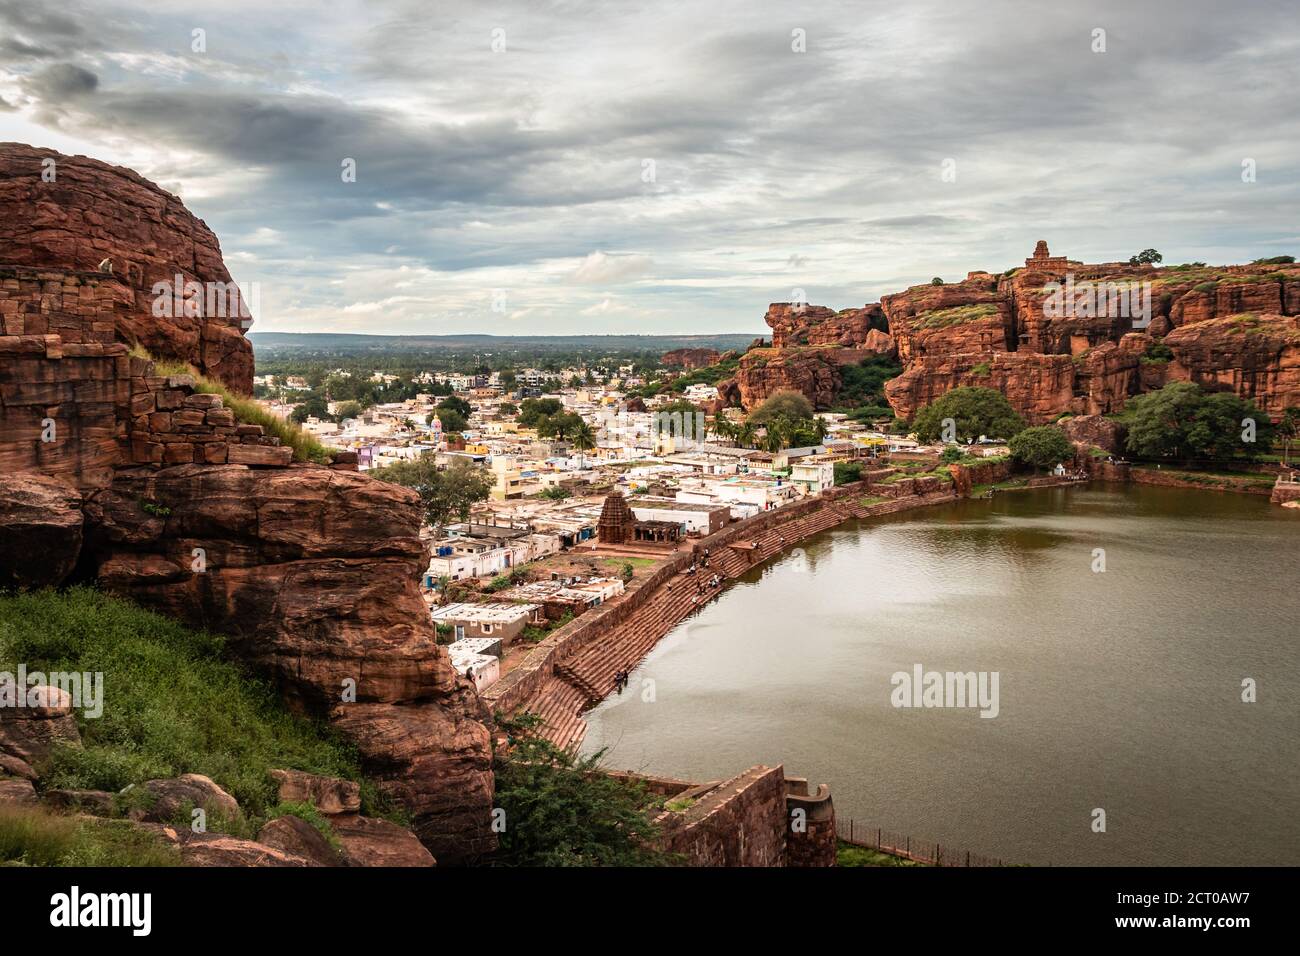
527 680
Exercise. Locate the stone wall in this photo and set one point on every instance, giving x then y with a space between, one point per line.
75 403
741 822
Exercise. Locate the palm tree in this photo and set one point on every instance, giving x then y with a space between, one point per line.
724 428
1289 427
746 433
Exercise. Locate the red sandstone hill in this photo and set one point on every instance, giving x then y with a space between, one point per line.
310 569
1229 327
92 211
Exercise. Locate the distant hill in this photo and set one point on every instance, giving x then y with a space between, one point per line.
343 343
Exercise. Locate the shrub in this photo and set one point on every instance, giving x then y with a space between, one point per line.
1041 446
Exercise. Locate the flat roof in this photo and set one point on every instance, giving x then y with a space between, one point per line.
497 612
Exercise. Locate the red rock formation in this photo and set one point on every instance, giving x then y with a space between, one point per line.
313 572
1038 386
93 211
690 358
1094 431
794 325
813 371
1256 356
42 522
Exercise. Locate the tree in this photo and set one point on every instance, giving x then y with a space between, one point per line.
1181 421
564 811
1041 446
560 426
975 411
455 404
452 420
313 407
584 436
847 472
532 410
936 281
444 493
951 455
1289 429
1145 256
785 403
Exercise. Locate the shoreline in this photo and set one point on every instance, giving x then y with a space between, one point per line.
572 670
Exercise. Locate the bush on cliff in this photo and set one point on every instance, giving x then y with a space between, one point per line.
171 703
975 411
864 384
562 810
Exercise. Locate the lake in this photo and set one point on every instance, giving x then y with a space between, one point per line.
1118 690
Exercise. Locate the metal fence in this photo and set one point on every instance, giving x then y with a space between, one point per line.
909 848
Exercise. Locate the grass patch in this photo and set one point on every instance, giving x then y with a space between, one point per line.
247 412
850 854
32 836
635 562
957 315
172 704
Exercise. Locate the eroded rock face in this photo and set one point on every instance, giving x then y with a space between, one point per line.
795 325
1094 431
314 575
1256 356
690 358
93 211
169 798
296 837
29 733
40 530
370 842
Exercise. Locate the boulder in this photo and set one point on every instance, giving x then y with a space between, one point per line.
40 530
169 798
16 790
326 794
370 842
29 733
296 837
219 849
96 803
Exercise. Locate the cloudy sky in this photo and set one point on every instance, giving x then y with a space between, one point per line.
564 167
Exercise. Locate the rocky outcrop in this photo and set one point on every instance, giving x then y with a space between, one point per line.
314 575
1256 356
796 324
1094 431
690 358
31 728
1056 336
42 529
311 571
327 794
92 211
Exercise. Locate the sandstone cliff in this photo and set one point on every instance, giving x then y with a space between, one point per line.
116 473
92 211
1226 327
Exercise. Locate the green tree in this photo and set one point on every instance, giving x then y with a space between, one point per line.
975 411
564 811
445 493
454 404
347 410
1146 255
584 436
1041 446
313 407
532 410
847 472
452 420
1181 421
1288 430
785 403
951 454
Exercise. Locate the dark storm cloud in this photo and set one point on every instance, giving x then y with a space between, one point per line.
55 84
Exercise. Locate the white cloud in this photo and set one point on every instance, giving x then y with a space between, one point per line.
601 268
